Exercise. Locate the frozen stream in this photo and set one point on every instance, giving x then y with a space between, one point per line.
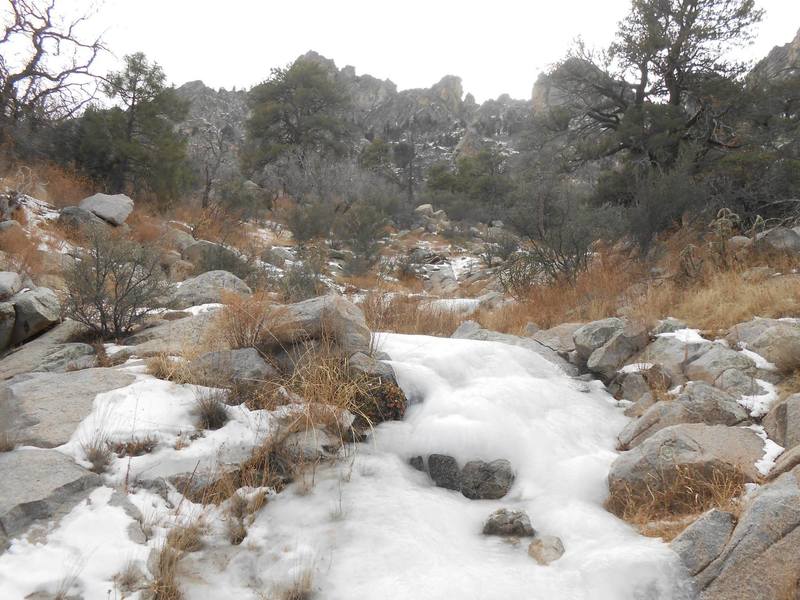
376 528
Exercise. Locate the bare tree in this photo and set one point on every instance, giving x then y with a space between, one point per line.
213 147
45 62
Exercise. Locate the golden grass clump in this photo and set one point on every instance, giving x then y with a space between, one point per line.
408 314
664 507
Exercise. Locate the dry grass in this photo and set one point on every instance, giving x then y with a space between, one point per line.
186 538
301 588
129 579
242 323
145 228
97 451
403 314
662 508
22 253
134 447
169 368
210 409
164 585
7 441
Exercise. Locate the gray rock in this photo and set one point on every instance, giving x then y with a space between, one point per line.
786 462
779 239
632 386
698 402
668 325
622 345
486 480
531 328
546 549
313 319
704 540
694 450
38 485
739 242
671 355
782 422
762 557
169 337
10 284
444 471
735 382
7 318
75 217
638 408
36 310
44 409
417 463
591 336
470 330
558 338
310 445
425 210
777 341
205 254
179 238
232 366
206 288
365 364
68 357
710 365
507 522
35 353
112 208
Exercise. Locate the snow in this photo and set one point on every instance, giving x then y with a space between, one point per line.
164 412
373 527
759 405
88 547
760 361
687 336
636 367
465 306
771 451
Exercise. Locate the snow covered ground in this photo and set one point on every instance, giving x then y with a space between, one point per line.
371 526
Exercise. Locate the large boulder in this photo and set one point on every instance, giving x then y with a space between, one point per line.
762 557
38 485
242 365
782 422
704 540
205 254
75 217
623 344
710 365
44 409
486 480
36 310
470 330
672 354
695 452
39 352
698 402
332 316
591 336
10 284
206 288
111 208
776 340
779 239
558 338
169 337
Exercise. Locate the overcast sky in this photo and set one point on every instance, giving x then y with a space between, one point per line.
495 46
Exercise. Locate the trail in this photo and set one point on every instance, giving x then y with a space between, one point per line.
375 528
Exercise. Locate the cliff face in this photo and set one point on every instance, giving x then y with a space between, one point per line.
442 121
782 62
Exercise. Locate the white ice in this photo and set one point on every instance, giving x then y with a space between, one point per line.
771 451
687 336
373 527
758 405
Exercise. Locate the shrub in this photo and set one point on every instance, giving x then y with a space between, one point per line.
360 227
210 408
309 221
116 285
303 279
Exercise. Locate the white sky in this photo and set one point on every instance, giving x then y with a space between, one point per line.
495 46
